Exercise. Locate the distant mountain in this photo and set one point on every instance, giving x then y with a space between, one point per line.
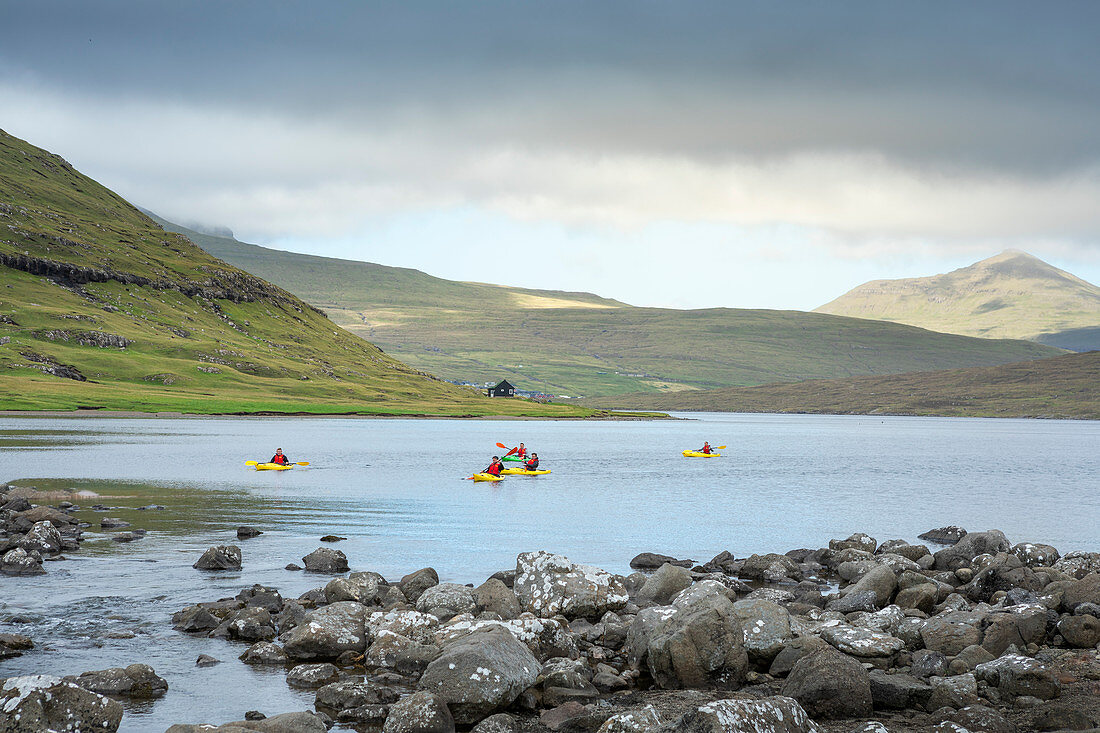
1012 295
101 308
1066 387
581 344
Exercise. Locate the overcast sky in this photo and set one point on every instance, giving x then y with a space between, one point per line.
683 154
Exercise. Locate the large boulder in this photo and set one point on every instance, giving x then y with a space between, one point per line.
415 583
495 597
950 633
329 631
766 715
1016 675
1020 626
898 691
221 557
767 626
458 598
399 653
702 645
326 560
880 580
137 681
42 703
1078 564
480 674
548 584
830 685
969 547
660 587
366 588
1081 631
420 627
43 537
1085 590
21 562
861 642
420 712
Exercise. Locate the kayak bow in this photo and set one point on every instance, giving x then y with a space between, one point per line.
486 477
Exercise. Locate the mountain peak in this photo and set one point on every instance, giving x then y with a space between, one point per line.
1013 294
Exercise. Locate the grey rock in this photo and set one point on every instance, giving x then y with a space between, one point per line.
700 646
860 642
400 654
327 632
858 541
42 537
949 535
499 723
1016 675
415 583
636 720
1081 631
458 598
312 676
650 560
480 674
1085 590
767 627
898 691
882 580
41 703
771 567
950 633
264 652
792 651
326 560
928 663
420 712
246 532
366 588
864 600
137 681
349 694
21 562
953 692
298 722
982 719
1036 556
969 547
776 714
221 557
830 685
548 584
494 596
205 660
660 587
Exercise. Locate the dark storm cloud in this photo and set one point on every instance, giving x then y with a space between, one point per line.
1000 86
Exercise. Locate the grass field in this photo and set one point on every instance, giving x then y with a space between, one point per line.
581 344
101 308
1065 386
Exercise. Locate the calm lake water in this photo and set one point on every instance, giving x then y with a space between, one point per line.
394 488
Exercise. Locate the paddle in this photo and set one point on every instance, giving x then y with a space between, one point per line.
306 463
251 463
501 445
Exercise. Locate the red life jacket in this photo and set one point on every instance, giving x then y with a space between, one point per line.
532 464
280 459
494 468
521 452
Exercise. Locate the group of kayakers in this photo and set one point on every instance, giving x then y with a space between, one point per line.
530 462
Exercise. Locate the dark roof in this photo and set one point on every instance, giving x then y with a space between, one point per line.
504 384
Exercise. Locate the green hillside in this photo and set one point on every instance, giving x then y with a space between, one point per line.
581 344
1065 387
1012 295
101 308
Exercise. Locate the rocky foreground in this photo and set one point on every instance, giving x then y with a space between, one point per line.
859 637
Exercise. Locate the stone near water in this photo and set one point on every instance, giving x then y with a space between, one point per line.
246 532
43 703
326 560
327 632
205 660
949 535
420 712
830 685
21 562
700 646
264 652
415 583
312 676
548 584
458 598
135 681
332 538
221 557
299 722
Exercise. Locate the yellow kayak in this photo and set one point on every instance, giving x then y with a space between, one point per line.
486 477
524 472
273 466
697 454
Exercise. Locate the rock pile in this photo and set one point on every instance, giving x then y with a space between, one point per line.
979 635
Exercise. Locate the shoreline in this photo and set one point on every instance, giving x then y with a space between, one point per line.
132 414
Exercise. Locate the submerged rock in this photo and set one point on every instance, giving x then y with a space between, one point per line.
326 560
135 681
221 557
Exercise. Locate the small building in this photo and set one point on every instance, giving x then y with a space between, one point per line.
502 389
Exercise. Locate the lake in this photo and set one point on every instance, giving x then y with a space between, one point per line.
394 489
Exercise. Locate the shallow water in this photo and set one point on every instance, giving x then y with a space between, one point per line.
394 489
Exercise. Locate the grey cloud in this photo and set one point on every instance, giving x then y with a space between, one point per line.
1009 86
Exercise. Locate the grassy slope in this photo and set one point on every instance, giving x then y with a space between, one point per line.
565 340
1012 295
206 337
1065 386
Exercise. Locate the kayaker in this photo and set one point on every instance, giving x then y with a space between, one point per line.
532 463
705 448
279 457
521 452
494 467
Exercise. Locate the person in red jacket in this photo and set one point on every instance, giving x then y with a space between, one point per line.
706 447
532 463
279 457
494 467
521 452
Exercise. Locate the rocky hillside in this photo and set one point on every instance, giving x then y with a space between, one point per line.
101 308
1012 295
581 344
